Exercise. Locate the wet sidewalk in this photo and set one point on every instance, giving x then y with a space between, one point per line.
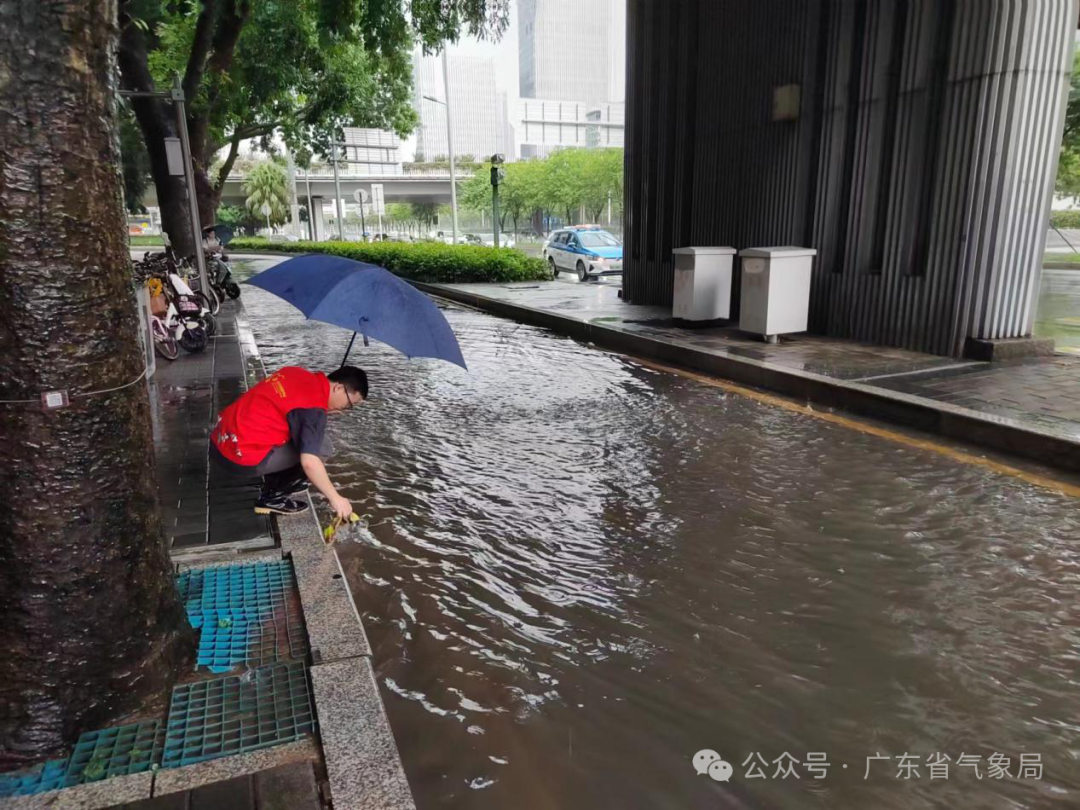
1030 407
203 509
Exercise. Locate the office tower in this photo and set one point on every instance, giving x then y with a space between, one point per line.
569 49
473 106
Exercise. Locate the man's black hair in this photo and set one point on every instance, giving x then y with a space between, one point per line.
354 379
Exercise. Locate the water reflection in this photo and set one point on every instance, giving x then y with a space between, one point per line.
583 571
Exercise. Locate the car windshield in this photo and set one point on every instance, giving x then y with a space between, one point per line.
598 239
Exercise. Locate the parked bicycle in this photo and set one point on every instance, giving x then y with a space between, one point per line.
180 313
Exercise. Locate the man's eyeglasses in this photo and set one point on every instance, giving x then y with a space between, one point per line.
348 395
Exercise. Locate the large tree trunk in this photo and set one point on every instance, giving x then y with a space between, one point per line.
91 626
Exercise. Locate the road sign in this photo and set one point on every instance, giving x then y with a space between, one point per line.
378 205
360 195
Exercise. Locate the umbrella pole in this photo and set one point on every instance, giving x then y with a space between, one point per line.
346 357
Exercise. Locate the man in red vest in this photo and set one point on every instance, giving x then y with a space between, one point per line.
278 430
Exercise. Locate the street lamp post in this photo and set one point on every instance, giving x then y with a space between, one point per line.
449 143
337 189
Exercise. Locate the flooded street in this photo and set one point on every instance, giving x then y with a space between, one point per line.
582 571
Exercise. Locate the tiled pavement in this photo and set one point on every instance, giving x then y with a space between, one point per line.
286 787
1041 392
201 507
1043 389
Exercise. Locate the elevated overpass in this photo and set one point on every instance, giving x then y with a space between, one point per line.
420 187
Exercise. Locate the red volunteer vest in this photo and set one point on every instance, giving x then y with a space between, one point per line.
255 424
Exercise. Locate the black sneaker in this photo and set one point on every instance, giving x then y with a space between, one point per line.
277 504
299 488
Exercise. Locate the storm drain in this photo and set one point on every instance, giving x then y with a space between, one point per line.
48 776
97 755
263 707
115 752
245 614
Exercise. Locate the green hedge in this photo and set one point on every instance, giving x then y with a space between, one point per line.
433 262
1065 219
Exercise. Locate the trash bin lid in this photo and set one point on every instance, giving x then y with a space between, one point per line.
705 251
787 252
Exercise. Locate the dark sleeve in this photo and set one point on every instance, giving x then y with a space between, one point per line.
306 429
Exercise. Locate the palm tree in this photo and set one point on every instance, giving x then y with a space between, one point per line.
267 189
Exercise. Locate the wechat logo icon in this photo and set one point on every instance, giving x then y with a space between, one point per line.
708 761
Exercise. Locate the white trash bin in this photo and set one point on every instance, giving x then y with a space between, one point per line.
702 283
775 297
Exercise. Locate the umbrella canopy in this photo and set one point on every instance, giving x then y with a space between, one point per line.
365 299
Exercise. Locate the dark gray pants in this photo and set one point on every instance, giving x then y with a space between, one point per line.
280 470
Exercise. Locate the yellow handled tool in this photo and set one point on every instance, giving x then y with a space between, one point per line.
330 531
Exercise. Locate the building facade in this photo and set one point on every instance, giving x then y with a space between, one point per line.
505 132
913 144
547 125
474 106
569 49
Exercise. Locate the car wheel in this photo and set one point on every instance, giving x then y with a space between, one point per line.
582 273
554 267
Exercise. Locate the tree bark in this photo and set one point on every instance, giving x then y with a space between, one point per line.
91 626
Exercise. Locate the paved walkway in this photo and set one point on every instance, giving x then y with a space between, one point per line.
286 787
1027 406
201 508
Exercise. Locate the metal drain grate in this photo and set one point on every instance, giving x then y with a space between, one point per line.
239 713
261 639
48 776
218 592
97 755
115 752
246 614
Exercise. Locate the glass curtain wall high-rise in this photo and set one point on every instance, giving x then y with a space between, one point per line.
474 101
567 49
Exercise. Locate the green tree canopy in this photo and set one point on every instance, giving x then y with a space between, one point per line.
562 183
254 68
1068 176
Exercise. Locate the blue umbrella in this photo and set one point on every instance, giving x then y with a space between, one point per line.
366 299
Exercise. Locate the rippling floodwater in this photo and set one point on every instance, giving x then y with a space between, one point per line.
584 571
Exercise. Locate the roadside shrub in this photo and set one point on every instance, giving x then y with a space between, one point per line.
1065 219
432 262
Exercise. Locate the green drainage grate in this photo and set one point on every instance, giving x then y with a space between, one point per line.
237 714
260 640
235 590
115 752
246 614
97 755
48 776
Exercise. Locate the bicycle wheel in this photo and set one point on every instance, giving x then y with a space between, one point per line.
215 300
164 343
167 348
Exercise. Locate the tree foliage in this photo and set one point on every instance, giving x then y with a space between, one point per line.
562 184
1068 176
267 185
301 69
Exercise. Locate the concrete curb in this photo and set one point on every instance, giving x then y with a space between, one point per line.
954 422
361 756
